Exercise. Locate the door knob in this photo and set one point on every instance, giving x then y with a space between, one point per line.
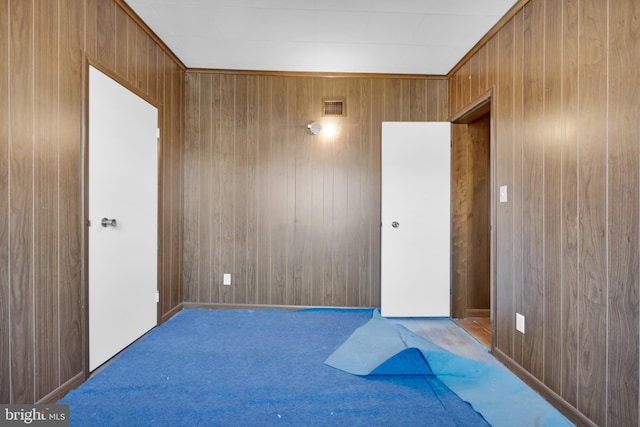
395 224
108 222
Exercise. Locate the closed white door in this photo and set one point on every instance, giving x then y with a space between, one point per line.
415 211
123 214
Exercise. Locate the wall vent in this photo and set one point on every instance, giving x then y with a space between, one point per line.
333 107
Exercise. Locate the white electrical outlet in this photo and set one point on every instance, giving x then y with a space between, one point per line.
226 279
520 322
503 194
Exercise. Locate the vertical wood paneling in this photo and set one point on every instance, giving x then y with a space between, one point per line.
290 207
478 221
90 33
572 254
592 196
42 53
21 171
518 184
224 157
192 232
207 217
569 219
303 255
5 325
253 138
105 30
378 108
367 135
552 194
132 54
460 196
240 192
341 202
264 193
122 54
493 56
355 165
475 70
297 216
278 179
328 178
319 150
46 195
418 107
170 182
69 188
533 189
623 199
503 114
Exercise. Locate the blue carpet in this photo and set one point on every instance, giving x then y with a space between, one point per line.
260 368
382 346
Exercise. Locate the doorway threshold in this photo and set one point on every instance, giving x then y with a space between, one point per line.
478 327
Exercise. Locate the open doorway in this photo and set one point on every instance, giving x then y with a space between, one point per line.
471 221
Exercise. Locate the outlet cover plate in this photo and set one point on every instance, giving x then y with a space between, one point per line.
226 279
520 322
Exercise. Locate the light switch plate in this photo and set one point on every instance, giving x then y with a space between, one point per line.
520 322
226 279
503 194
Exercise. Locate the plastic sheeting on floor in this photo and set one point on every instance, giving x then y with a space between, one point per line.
381 347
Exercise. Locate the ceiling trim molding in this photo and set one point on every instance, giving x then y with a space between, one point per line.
492 32
317 74
133 15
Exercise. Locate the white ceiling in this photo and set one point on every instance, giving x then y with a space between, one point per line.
359 36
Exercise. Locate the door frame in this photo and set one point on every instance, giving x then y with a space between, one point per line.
84 131
472 111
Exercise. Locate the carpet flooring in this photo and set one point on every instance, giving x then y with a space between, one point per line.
259 368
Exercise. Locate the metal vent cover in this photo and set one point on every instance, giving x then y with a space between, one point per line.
334 107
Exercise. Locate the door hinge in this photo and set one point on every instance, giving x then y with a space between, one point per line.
158 133
157 296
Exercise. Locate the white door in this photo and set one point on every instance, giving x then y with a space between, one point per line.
415 204
123 187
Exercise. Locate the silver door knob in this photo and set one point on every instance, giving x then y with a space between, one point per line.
108 222
395 224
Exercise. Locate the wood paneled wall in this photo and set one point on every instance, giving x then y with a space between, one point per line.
470 220
42 50
566 134
295 218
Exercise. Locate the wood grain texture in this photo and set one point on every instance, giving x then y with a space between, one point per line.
105 21
623 199
46 210
478 221
569 115
42 55
294 217
121 37
504 133
552 163
460 196
592 211
192 232
21 98
70 190
517 193
5 325
569 219
533 188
